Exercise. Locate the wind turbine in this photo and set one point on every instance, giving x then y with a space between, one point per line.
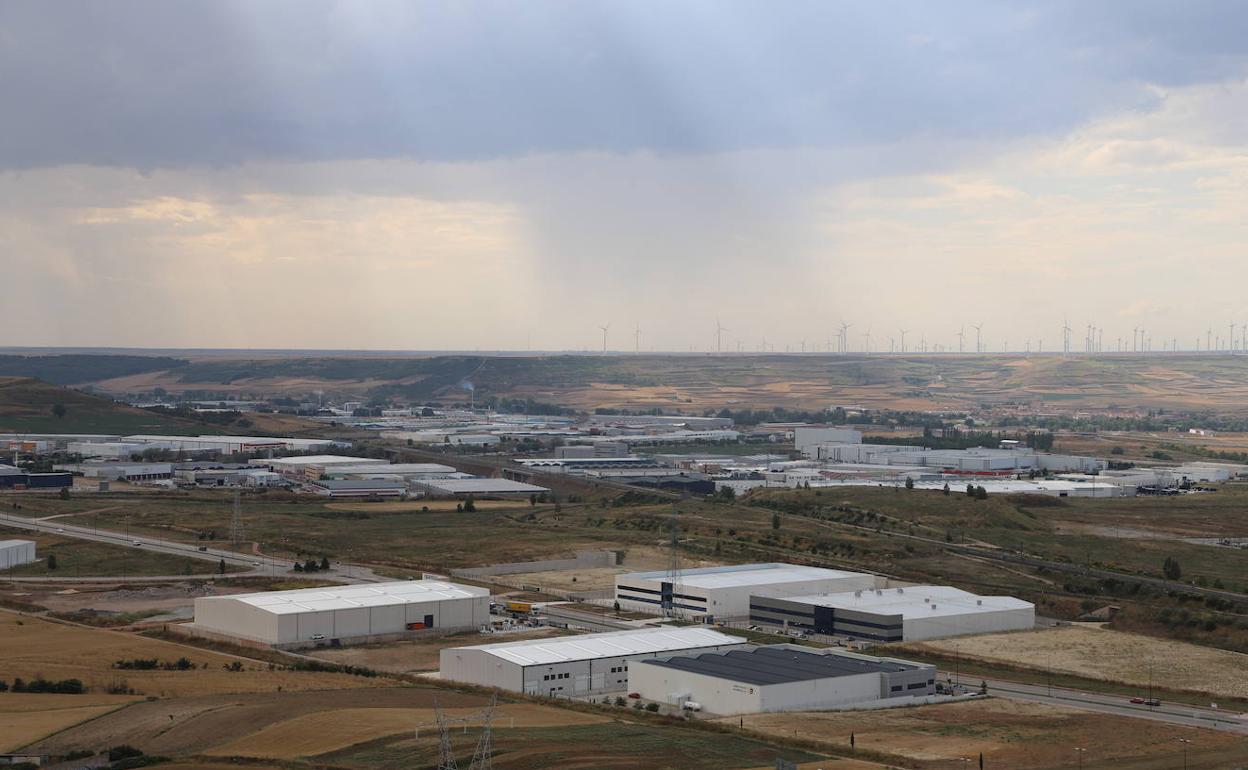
637 339
961 334
1066 337
604 336
867 345
903 340
845 337
979 348
719 336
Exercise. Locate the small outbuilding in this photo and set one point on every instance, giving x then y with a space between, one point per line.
14 553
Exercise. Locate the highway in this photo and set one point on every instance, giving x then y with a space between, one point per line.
256 565
1118 705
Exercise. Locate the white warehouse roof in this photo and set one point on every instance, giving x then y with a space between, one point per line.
348 597
745 575
481 486
325 460
915 601
614 644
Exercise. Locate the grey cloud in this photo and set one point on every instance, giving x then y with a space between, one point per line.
149 84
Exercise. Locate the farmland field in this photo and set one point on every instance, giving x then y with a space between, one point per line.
35 647
28 717
1010 734
1109 655
328 731
619 745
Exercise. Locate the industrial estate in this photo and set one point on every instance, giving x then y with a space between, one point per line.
505 582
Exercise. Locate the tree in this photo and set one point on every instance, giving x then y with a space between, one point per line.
1117 451
981 493
775 521
909 483
970 490
221 566
58 410
1171 569
298 567
51 561
325 562
946 490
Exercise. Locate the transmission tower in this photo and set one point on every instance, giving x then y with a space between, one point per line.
446 757
483 757
673 567
236 522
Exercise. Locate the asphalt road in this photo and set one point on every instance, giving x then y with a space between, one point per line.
257 565
1118 705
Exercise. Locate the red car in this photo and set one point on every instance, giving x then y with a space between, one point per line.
1138 701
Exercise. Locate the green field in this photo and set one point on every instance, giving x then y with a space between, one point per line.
26 406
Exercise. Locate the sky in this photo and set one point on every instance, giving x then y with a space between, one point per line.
503 175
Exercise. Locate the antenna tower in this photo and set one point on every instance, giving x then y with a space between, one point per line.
673 565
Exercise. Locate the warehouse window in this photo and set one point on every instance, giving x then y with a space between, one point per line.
895 688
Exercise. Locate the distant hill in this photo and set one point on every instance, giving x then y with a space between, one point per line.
75 369
27 406
693 383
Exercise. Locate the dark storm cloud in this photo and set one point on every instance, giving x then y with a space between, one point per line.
150 84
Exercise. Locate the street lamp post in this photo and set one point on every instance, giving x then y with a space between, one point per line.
1185 741
1079 752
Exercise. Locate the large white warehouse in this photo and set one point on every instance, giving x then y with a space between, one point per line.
724 592
778 677
14 553
907 614
343 614
574 665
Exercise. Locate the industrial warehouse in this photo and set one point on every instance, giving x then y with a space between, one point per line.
724 593
906 614
14 553
779 677
574 666
344 614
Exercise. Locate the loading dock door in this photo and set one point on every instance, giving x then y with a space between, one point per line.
428 621
825 619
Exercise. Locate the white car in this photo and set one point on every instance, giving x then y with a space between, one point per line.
136 542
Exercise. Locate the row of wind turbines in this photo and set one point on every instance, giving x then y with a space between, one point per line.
1093 342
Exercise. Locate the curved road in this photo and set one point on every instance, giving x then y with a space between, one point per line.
257 565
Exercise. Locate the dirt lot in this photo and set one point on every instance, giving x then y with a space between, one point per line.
1110 655
27 717
422 655
636 559
326 731
33 647
1011 734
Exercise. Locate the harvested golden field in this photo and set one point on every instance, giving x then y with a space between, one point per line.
1115 656
326 731
1010 734
28 717
35 647
180 727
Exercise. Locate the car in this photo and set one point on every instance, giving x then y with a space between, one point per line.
1152 702
136 542
1138 701
203 548
635 695
255 564
317 637
60 529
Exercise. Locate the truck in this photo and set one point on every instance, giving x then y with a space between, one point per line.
524 607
